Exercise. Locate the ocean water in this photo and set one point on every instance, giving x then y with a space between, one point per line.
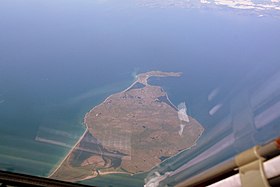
58 59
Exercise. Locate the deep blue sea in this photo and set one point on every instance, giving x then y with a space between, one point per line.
58 59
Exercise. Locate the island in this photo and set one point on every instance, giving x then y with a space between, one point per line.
130 132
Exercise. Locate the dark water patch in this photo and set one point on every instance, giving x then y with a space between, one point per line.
137 85
162 158
166 100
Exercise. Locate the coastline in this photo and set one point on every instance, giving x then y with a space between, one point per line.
195 143
86 130
53 172
141 78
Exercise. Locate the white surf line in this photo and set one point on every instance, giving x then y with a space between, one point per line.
128 87
71 150
170 101
52 173
86 130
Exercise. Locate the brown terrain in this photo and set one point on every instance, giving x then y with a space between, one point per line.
130 132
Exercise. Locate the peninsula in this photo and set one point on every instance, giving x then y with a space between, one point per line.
130 132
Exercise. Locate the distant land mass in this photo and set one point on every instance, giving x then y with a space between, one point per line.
130 132
255 7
